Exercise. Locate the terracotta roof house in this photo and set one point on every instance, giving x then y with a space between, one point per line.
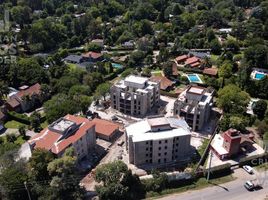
181 59
25 99
174 70
69 131
105 130
165 83
211 71
92 56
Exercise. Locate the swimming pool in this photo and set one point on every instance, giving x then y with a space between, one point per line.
117 66
194 78
259 76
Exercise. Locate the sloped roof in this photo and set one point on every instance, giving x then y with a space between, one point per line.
181 58
13 103
34 89
164 81
192 60
105 127
210 71
91 54
49 140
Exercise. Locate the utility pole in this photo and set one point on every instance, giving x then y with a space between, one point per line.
25 185
210 159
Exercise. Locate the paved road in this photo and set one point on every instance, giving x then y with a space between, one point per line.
230 191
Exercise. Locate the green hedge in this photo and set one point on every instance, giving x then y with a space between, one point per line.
219 171
22 118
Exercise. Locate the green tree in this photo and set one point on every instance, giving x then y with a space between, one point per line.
167 69
22 131
38 164
3 90
225 70
118 182
102 90
36 121
232 99
259 108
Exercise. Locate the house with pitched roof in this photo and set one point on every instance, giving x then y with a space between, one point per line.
25 99
92 56
69 131
106 130
165 83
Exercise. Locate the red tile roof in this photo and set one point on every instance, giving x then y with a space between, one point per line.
210 71
34 89
196 64
105 127
175 70
48 139
13 103
192 60
164 81
92 54
181 58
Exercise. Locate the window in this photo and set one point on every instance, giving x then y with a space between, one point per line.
147 149
165 153
159 148
151 161
159 160
165 141
165 160
146 161
146 142
176 150
159 154
159 141
151 149
146 155
165 147
177 145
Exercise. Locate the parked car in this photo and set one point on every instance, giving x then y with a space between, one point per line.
252 185
248 169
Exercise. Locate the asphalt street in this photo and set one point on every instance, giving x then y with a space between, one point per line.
229 191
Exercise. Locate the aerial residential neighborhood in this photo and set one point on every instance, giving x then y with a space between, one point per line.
129 100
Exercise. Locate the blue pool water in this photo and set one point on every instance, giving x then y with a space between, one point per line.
194 78
259 76
117 66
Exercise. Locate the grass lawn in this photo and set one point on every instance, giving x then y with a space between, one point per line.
203 147
13 124
157 73
200 184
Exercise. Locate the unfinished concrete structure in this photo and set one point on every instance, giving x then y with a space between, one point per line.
194 105
135 95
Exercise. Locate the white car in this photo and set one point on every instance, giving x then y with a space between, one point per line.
248 169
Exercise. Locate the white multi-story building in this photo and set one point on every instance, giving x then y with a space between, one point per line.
158 140
194 105
135 95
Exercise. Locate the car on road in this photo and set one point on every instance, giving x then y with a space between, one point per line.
248 169
252 185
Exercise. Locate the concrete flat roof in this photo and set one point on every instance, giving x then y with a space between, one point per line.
141 131
136 79
217 145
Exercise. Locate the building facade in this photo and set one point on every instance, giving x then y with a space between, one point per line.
158 140
135 95
194 105
69 131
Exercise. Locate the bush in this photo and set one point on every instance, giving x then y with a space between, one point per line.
22 118
218 171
